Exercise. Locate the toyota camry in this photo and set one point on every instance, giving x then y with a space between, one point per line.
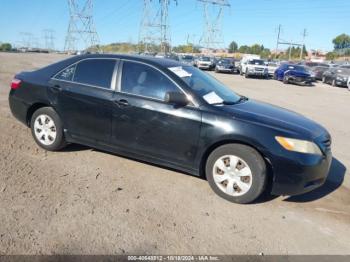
174 115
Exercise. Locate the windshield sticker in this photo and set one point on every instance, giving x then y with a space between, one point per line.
213 98
179 71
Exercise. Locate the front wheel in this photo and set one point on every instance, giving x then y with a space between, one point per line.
47 129
237 173
285 80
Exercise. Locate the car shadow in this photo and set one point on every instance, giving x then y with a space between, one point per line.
75 148
334 181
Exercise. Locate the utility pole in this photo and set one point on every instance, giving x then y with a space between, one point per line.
212 37
304 34
81 26
154 27
49 39
278 39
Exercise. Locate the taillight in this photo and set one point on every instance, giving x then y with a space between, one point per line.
16 83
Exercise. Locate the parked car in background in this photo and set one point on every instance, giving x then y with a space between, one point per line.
295 74
187 59
349 83
271 67
319 70
225 65
244 62
255 67
337 76
205 62
169 114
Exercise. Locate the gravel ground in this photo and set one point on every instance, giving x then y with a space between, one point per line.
83 201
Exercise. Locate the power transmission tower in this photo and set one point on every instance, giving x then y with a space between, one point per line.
27 39
49 39
154 27
81 26
212 36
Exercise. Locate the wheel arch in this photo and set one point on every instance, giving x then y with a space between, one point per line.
34 107
217 144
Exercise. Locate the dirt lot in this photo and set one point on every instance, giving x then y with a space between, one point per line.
86 201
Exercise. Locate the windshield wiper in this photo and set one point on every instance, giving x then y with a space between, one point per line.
228 103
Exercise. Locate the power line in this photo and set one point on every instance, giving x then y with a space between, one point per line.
81 26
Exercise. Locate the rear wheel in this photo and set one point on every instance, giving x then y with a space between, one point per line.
47 129
246 74
237 173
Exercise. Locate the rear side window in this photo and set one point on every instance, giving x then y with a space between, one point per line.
143 80
95 72
67 74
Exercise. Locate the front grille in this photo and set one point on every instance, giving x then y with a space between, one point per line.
258 69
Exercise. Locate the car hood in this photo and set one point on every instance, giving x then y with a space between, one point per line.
275 117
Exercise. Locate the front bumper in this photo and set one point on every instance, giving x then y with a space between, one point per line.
203 66
257 73
226 70
341 82
300 174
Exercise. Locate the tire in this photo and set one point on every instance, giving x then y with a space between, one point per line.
216 70
51 136
246 74
254 184
285 80
334 83
324 79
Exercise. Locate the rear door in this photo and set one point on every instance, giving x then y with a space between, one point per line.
82 95
144 123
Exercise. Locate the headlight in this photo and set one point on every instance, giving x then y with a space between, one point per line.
297 145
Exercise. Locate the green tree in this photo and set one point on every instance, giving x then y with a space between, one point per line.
233 47
331 55
244 49
341 41
5 47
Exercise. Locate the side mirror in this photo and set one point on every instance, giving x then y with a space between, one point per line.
176 98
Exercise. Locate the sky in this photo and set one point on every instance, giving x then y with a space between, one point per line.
247 21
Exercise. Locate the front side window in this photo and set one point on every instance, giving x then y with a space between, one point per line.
67 74
143 80
95 72
206 86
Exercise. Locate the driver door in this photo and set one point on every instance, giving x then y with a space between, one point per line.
145 124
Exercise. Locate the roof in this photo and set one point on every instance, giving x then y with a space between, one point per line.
147 59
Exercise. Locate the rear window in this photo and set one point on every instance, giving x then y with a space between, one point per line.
95 72
67 74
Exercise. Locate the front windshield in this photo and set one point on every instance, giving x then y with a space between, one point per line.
205 58
207 87
225 61
256 62
187 58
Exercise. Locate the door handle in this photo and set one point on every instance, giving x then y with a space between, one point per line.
121 102
56 88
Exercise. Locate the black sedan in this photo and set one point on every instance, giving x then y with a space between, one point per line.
174 115
319 70
337 76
